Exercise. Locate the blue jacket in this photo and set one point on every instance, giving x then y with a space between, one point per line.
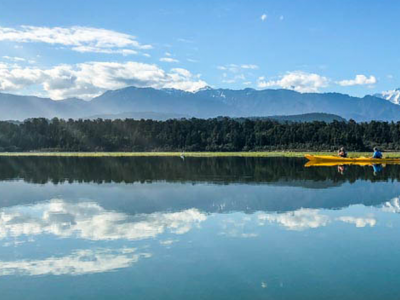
377 154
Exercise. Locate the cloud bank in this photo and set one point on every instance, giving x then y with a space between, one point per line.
88 80
298 81
77 38
358 80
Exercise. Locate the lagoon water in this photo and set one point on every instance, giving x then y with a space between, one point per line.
198 228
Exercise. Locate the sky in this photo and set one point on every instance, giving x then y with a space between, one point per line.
62 49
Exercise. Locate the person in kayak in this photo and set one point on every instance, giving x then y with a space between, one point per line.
342 152
377 153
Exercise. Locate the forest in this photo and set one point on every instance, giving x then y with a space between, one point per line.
221 134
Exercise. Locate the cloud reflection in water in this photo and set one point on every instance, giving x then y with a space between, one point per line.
78 263
90 221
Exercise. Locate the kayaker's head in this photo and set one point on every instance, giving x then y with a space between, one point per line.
342 149
375 149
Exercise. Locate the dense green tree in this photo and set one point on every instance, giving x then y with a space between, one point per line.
222 134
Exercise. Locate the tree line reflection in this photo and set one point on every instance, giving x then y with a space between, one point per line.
173 169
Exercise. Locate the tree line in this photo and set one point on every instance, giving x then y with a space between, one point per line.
222 134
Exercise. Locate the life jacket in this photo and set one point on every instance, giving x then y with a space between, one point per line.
377 154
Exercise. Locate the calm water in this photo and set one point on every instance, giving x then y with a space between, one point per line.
225 228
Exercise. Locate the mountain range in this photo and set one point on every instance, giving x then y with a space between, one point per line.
206 103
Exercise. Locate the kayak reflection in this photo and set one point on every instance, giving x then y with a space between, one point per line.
342 167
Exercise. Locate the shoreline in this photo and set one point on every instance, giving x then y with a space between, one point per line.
185 154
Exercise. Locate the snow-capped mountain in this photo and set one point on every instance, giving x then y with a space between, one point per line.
205 103
393 96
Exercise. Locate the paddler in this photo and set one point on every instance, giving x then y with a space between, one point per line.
342 152
377 153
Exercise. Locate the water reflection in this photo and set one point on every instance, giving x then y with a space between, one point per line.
281 171
201 228
392 206
296 220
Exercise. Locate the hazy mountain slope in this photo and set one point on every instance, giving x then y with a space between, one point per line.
134 99
245 103
14 107
205 103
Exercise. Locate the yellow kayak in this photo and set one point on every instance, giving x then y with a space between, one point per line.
331 159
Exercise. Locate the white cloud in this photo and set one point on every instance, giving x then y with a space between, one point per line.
296 220
187 41
358 80
359 222
192 60
238 77
299 81
239 72
13 58
252 67
78 263
281 18
234 68
263 17
87 80
85 49
80 39
169 60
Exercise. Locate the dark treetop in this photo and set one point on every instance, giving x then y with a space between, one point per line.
221 134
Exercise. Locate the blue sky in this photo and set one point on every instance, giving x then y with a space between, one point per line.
82 48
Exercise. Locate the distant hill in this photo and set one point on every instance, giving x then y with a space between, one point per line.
205 103
139 116
311 117
167 116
